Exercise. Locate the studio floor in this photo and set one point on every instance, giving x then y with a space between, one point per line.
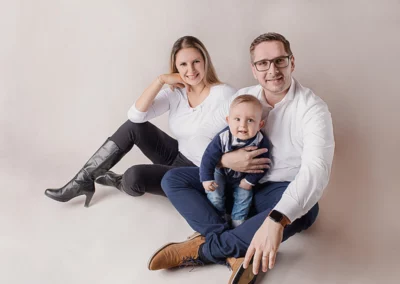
47 242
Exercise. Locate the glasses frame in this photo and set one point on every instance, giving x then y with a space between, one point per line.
273 61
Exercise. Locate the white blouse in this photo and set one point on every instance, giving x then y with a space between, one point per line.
185 121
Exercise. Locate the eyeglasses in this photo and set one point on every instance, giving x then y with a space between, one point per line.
280 62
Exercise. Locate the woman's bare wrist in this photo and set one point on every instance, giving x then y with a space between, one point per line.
160 80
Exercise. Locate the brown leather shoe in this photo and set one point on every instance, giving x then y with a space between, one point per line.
178 254
239 274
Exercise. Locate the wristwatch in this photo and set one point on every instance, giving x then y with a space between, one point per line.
278 217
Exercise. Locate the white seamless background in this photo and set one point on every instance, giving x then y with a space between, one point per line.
70 70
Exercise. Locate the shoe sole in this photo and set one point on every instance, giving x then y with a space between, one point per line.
239 273
87 200
193 236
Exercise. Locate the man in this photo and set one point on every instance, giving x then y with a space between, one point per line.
299 125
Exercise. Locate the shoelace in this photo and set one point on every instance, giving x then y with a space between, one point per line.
190 261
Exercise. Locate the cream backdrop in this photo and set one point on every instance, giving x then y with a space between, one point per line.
70 70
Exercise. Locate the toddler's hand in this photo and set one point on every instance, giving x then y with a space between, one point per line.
244 184
210 185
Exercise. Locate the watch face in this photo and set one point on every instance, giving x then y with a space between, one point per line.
276 216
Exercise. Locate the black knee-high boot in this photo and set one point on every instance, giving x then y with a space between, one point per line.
83 183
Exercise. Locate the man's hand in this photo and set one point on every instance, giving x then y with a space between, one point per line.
264 246
245 185
210 185
243 160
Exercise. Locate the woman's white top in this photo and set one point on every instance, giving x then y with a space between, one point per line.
184 121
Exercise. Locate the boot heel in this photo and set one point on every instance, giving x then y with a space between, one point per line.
83 182
89 196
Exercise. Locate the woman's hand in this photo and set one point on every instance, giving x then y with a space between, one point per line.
174 80
147 98
243 160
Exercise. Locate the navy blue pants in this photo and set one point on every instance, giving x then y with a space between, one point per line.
185 191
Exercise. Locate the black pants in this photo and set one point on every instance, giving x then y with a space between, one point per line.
156 145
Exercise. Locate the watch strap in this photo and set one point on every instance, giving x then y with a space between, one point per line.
278 217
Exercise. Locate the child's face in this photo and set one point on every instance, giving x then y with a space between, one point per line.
245 120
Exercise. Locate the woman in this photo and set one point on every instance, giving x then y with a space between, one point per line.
195 93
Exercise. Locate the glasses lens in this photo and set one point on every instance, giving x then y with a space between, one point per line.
262 65
281 62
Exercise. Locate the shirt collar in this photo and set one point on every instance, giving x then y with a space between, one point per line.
289 95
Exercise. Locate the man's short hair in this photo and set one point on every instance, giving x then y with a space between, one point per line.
246 99
270 37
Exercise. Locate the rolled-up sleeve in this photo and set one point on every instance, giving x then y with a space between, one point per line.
313 177
160 105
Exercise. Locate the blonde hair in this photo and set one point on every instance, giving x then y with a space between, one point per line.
246 99
210 76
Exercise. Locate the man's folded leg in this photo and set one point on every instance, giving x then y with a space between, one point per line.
234 243
186 193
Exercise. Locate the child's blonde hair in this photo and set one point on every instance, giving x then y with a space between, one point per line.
246 99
